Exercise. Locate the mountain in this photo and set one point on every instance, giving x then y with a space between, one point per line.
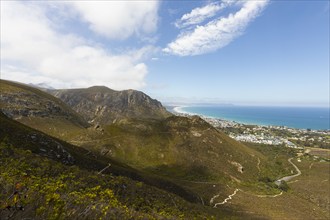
185 150
142 141
39 109
99 104
135 130
45 178
42 86
162 166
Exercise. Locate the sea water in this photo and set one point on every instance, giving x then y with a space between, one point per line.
294 117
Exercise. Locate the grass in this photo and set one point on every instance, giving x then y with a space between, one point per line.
49 189
168 149
319 152
185 160
308 194
35 99
20 135
40 110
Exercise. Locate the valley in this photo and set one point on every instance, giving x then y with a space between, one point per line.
126 150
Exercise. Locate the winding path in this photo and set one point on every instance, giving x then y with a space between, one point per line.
258 165
226 200
288 178
285 178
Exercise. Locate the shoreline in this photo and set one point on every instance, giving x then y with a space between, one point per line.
261 134
179 111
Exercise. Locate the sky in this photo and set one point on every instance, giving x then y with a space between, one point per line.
254 52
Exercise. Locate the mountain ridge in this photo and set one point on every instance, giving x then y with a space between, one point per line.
178 154
21 102
100 104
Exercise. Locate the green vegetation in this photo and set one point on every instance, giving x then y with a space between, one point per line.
39 110
26 138
36 187
304 197
45 188
166 167
277 156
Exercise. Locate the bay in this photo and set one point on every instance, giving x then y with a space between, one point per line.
316 118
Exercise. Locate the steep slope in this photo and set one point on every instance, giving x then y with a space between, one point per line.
187 151
102 105
36 183
21 136
177 146
39 109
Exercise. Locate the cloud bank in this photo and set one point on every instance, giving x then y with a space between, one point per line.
118 19
33 50
216 33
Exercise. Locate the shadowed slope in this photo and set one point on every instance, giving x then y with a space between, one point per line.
39 168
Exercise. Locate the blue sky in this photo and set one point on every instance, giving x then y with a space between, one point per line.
241 52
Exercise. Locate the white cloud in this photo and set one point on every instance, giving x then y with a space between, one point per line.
217 33
118 19
32 51
200 14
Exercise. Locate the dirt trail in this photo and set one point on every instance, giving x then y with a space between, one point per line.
226 200
258 164
310 166
288 178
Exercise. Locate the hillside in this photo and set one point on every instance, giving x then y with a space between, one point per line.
179 148
175 143
99 104
184 156
42 177
19 135
39 109
137 130
189 151
34 184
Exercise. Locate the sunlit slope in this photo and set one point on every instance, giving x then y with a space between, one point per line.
177 147
21 136
56 180
185 150
99 104
132 127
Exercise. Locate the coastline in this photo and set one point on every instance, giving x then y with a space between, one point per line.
179 109
216 122
261 134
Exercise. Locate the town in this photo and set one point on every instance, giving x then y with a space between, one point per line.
271 135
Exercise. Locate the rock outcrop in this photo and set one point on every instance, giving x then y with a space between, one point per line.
99 104
19 101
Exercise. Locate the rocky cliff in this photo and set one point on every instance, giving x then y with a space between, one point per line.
99 104
22 102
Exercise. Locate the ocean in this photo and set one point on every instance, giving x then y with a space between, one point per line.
293 117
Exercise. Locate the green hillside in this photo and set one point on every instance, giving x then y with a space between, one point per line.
39 109
184 157
36 184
